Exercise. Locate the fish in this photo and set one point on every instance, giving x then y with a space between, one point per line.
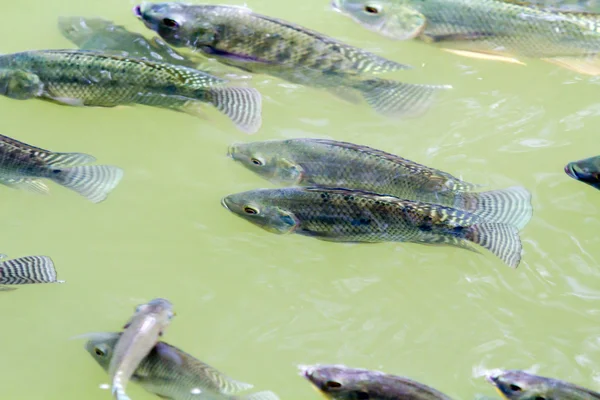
96 79
338 382
140 335
330 163
171 373
343 215
27 270
102 34
586 171
520 385
22 166
237 37
505 30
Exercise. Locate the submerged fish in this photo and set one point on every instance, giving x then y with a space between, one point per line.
586 171
102 34
520 385
338 382
22 165
342 215
502 29
139 337
256 43
329 163
173 374
90 78
27 270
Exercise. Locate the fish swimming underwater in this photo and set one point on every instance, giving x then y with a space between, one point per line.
139 337
22 166
330 163
91 78
520 385
342 215
586 171
256 43
338 382
27 270
171 373
495 29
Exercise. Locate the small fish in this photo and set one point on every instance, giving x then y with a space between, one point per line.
139 336
170 373
329 163
343 215
501 30
92 78
520 385
27 270
105 35
586 171
22 165
237 37
338 382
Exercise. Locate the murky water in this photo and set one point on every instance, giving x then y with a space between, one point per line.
254 304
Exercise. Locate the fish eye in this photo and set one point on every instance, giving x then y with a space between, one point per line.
250 210
362 396
257 161
372 9
99 352
170 23
515 388
333 384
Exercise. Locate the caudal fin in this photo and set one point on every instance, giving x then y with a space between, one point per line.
501 239
397 99
28 270
242 105
506 206
94 182
262 396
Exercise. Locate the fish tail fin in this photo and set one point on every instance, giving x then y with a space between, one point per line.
242 105
397 99
94 182
28 270
501 239
266 395
510 206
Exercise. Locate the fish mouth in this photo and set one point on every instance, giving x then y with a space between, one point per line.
231 150
137 11
305 371
569 170
224 202
335 5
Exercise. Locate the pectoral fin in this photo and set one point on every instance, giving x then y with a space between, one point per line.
484 56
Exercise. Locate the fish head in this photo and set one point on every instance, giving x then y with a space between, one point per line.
269 160
181 25
520 385
262 208
18 84
586 171
79 29
101 346
338 382
396 19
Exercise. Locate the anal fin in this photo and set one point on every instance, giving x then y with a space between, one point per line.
29 185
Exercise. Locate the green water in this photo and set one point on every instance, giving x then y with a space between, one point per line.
254 304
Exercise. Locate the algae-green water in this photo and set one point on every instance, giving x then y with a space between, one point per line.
254 304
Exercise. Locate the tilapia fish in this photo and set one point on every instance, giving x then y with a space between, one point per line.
22 166
104 35
91 78
27 270
586 171
338 382
329 163
256 43
170 373
520 385
343 215
497 29
140 335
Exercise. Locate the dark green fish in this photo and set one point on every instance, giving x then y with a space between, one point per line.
27 270
496 29
22 166
101 34
586 171
329 163
342 215
520 385
256 43
338 382
90 78
173 374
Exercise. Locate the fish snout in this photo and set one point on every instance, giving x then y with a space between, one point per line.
231 150
225 203
492 378
305 371
569 170
137 11
335 5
